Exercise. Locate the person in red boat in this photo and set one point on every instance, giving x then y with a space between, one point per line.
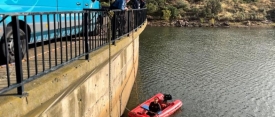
165 103
154 108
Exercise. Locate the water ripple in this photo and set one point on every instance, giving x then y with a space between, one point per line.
215 72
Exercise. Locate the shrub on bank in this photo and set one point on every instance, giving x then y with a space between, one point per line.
166 14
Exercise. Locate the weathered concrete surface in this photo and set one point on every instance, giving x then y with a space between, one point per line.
82 88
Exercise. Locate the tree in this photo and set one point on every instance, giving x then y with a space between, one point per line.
174 11
152 8
213 7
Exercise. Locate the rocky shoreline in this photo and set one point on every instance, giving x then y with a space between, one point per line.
182 23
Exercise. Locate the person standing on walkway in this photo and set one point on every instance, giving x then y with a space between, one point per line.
142 4
118 20
136 4
119 4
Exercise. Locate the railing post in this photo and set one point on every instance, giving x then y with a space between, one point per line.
86 34
18 54
128 21
136 21
113 25
144 16
141 17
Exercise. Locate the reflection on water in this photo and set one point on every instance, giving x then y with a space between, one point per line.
216 72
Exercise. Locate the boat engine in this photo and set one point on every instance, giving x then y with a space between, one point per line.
167 97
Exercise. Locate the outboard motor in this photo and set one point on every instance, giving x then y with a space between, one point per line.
167 97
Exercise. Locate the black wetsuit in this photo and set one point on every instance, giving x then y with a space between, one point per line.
153 107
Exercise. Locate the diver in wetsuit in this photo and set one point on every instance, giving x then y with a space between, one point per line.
154 108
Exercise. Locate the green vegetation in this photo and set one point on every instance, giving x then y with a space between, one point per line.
212 10
166 14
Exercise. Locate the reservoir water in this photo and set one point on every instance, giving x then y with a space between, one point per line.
216 72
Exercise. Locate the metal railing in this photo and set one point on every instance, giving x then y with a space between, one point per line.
123 22
34 44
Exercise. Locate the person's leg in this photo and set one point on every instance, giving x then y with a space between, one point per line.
150 114
121 23
125 22
113 27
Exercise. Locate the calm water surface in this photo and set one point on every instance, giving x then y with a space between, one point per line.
216 72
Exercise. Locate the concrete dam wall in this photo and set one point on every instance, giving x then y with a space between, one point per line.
98 87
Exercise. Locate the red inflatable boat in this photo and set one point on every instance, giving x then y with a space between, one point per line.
168 108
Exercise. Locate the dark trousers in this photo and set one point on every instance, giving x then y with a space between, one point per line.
118 24
150 114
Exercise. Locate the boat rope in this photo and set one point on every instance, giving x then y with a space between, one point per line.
110 43
136 85
127 109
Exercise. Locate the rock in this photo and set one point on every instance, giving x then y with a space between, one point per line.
247 23
225 24
266 21
179 23
194 24
149 17
200 25
186 23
